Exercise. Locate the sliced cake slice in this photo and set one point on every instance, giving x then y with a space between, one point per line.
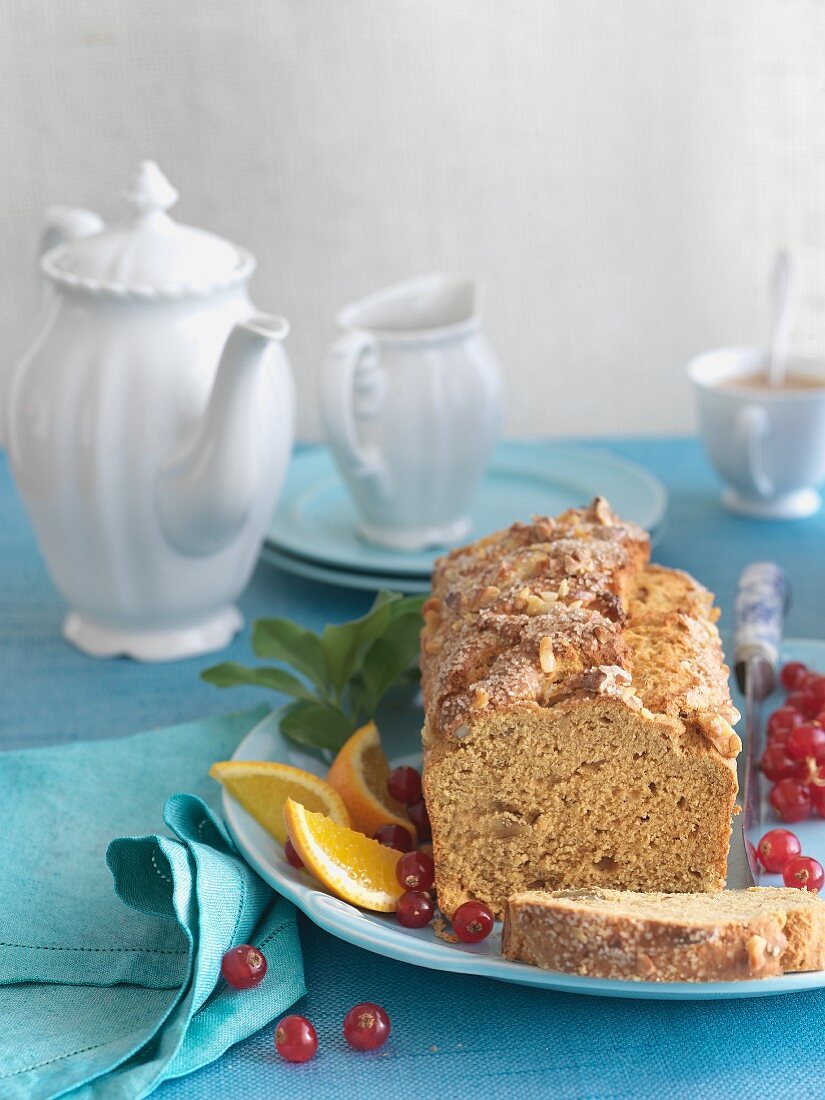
729 935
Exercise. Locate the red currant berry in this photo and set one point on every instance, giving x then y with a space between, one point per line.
394 836
778 740
793 675
420 818
776 764
295 1039
805 742
292 857
803 872
782 720
814 692
810 705
816 785
798 701
415 871
366 1026
791 800
244 966
414 909
473 922
404 784
776 848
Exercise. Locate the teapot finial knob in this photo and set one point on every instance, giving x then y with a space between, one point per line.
151 190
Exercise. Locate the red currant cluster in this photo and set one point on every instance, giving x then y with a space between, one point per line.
404 786
472 921
794 757
780 852
366 1025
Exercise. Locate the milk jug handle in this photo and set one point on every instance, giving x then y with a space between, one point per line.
344 358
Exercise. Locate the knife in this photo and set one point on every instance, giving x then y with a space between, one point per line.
762 599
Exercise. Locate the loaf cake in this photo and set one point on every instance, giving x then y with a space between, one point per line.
578 718
724 936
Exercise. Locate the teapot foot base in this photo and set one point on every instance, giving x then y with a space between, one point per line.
171 644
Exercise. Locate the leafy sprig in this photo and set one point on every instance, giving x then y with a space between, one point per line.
336 678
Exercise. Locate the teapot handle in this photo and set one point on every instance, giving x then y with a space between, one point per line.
67 223
342 388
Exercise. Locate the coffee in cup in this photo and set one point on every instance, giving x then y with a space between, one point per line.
767 442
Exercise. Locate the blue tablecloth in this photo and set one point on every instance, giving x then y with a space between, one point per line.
452 1036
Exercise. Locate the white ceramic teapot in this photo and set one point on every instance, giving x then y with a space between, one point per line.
149 427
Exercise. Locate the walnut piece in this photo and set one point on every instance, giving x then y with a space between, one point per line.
546 655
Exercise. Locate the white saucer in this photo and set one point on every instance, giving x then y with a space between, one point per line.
316 522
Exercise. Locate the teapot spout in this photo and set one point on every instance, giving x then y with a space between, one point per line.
206 488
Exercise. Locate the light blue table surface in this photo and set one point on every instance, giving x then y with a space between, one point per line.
452 1036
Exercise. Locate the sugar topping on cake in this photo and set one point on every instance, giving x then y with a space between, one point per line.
552 609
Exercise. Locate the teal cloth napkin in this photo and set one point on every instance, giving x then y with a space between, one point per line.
106 992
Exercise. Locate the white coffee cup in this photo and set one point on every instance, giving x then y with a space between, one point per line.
768 444
411 404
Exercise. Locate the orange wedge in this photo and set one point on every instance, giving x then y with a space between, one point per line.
359 774
262 788
351 866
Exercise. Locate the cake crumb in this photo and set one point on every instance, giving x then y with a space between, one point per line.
440 929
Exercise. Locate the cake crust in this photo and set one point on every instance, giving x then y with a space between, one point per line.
732 935
578 718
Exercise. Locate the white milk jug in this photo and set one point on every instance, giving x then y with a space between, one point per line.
411 403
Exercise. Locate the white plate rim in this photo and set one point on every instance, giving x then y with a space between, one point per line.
341 578
379 934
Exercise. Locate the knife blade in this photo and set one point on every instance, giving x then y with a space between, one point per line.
762 600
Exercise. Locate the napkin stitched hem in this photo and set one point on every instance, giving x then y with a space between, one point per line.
60 947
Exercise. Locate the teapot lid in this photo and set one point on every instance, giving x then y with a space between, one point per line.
149 255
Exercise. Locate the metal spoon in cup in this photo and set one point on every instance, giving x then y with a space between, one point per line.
783 292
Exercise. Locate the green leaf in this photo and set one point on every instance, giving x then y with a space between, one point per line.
357 661
410 605
230 674
388 659
317 725
283 640
344 643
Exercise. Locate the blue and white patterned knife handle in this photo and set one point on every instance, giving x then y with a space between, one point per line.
761 602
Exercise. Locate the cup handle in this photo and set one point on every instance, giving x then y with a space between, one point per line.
347 384
751 427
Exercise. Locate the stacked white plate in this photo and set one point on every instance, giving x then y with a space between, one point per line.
313 533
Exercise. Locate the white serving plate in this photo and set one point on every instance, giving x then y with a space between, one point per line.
382 933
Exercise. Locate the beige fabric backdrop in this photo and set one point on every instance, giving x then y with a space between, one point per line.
619 172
